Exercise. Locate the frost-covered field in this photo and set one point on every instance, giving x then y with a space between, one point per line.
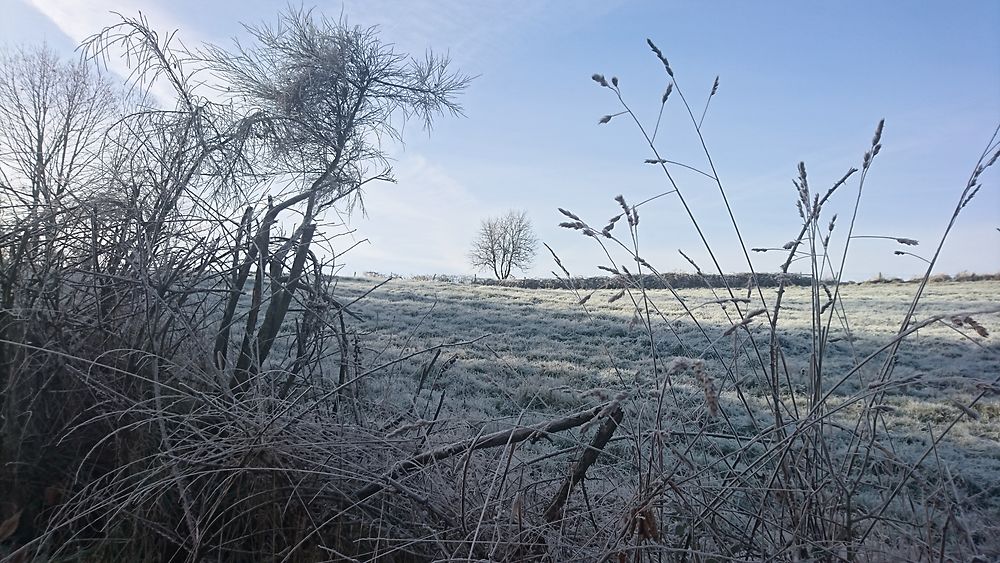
543 339
538 353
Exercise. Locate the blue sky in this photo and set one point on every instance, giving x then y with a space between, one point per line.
799 81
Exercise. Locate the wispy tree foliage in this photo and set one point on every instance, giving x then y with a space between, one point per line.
324 96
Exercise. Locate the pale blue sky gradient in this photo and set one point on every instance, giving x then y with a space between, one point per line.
799 81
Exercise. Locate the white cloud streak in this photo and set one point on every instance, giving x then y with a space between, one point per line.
427 219
81 20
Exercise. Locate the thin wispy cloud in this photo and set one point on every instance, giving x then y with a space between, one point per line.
82 20
418 218
471 32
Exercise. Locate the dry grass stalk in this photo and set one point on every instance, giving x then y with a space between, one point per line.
806 434
746 321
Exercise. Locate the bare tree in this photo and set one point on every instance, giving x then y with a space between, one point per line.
504 243
52 116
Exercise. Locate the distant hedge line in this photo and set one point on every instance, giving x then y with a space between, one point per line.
676 280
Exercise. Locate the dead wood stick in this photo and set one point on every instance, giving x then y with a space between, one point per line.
500 438
587 458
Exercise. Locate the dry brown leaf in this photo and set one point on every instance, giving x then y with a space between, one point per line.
53 495
9 526
648 529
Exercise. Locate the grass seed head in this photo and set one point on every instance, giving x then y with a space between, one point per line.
971 195
707 387
569 214
992 160
654 47
659 55
878 133
974 324
621 201
606 231
676 365
692 262
966 320
666 93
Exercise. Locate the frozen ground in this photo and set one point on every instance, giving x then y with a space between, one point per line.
538 353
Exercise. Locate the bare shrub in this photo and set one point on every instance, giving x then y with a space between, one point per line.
158 396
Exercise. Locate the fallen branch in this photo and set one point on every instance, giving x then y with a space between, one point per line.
501 438
589 456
